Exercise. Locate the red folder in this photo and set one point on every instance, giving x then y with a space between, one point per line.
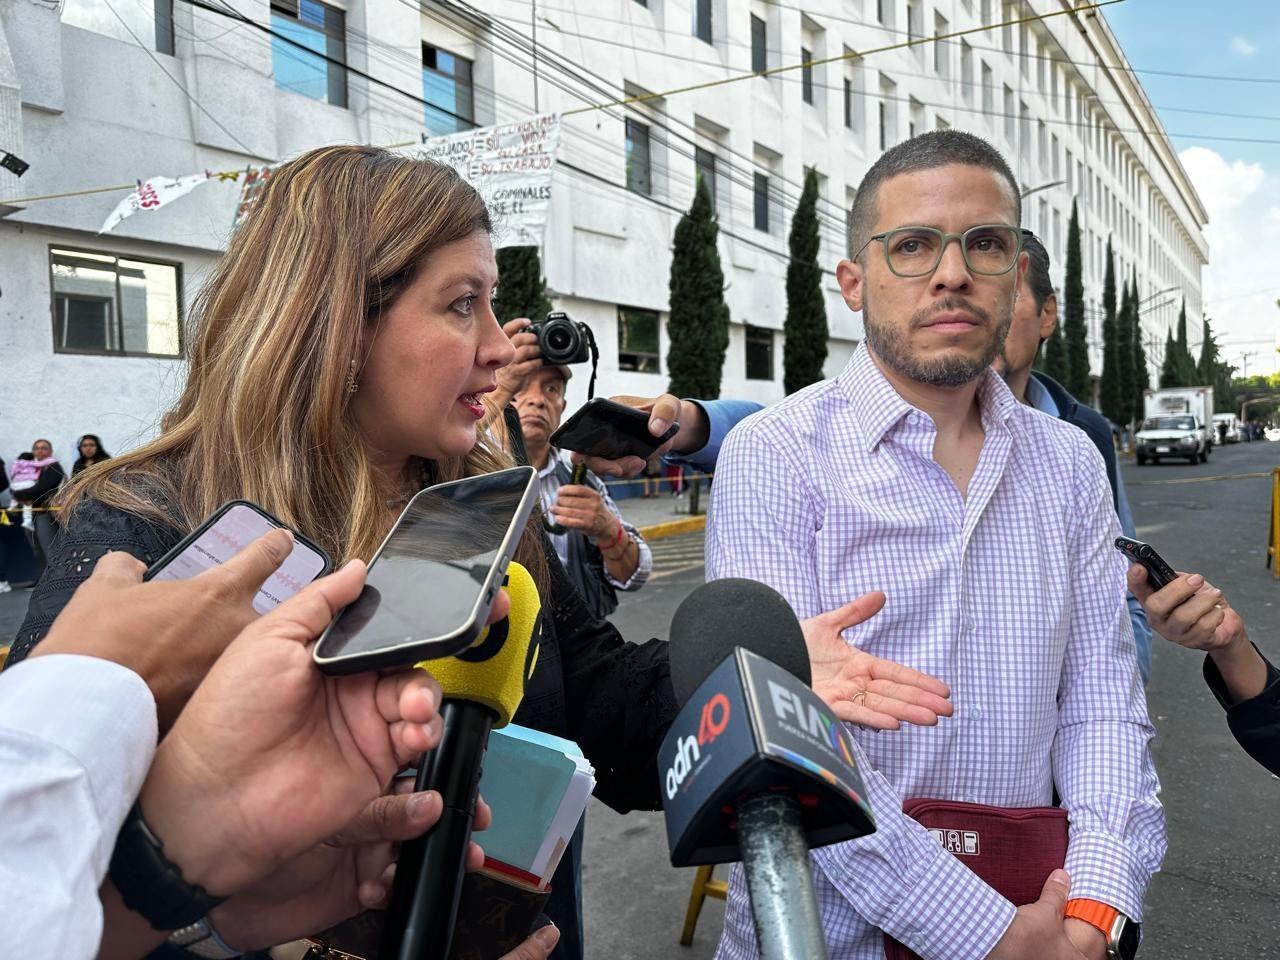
1014 849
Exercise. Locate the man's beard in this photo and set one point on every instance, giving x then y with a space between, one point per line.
892 346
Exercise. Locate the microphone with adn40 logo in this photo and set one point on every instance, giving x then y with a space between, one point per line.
756 767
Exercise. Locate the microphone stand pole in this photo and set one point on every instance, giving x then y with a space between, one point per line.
776 860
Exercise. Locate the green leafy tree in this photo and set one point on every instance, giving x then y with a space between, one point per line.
1110 393
522 291
1074 331
805 327
698 323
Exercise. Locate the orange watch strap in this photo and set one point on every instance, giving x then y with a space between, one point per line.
1095 913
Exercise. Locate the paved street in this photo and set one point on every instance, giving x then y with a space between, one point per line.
1216 898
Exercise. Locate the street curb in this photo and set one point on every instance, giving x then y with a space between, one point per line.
673 528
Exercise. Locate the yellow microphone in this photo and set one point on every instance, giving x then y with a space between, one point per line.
493 671
483 687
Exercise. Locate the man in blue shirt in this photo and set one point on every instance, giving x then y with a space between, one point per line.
705 423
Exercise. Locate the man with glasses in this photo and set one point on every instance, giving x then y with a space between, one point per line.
988 526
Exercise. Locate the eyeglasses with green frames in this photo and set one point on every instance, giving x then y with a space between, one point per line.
989 249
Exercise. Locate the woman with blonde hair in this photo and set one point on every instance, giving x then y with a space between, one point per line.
340 358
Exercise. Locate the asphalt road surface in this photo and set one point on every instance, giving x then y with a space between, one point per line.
1218 897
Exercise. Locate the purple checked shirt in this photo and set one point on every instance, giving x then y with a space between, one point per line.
1014 596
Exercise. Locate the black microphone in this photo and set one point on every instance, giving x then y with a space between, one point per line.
482 687
756 767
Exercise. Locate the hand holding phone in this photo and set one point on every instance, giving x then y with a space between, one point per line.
1159 573
231 528
611 431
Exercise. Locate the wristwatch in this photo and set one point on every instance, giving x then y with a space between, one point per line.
1123 935
149 883
201 940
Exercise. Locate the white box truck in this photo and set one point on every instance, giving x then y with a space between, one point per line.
1178 423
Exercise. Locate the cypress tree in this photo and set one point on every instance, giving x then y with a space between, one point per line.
1053 358
1169 367
1074 331
698 323
1141 375
1207 367
1109 393
805 327
1185 364
522 291
1124 356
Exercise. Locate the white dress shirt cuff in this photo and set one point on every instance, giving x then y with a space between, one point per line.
947 912
95 711
1104 868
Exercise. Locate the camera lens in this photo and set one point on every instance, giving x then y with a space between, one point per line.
559 339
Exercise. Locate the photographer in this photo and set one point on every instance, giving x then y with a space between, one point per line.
600 551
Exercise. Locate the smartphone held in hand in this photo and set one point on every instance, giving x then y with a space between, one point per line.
230 529
603 428
1159 573
433 581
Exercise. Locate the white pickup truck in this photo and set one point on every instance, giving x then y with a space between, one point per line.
1179 423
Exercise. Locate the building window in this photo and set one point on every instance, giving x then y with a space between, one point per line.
966 70
318 32
888 112
759 353
759 45
705 162
848 103
806 75
1010 116
115 305
702 20
916 118
638 340
638 178
164 26
915 23
446 86
1006 27
988 91
760 201
941 49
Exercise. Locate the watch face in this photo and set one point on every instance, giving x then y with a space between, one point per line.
1127 944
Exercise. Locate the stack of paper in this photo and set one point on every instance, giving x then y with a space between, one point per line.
538 786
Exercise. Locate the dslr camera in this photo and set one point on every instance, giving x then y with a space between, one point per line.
562 340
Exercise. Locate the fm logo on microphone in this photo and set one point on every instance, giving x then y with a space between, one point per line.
790 708
712 722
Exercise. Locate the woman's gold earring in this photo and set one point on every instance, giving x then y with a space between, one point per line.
352 384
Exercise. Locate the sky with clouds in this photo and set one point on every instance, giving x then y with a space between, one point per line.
1227 132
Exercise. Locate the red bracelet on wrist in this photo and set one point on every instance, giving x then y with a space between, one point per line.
622 532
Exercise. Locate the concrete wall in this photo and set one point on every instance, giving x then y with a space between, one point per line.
97 109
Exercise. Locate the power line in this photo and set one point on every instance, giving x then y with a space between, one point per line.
175 81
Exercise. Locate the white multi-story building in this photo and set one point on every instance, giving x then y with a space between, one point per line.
98 93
